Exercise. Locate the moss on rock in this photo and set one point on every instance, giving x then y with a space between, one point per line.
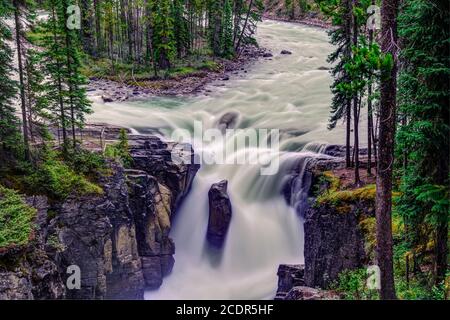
16 219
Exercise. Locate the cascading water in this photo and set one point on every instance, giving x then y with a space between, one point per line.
290 93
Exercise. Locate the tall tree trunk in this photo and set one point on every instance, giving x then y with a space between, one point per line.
59 85
369 114
98 30
356 106
441 251
348 110
238 45
389 11
18 27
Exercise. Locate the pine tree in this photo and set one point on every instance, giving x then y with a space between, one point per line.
9 123
424 136
341 14
19 7
215 25
78 102
181 31
163 37
227 36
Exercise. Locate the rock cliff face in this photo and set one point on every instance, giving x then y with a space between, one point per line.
334 239
29 272
119 240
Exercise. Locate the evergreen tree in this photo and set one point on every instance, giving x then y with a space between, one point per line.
341 13
9 123
215 25
227 36
181 31
424 137
163 36
19 7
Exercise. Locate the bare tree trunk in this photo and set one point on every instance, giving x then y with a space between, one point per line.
386 152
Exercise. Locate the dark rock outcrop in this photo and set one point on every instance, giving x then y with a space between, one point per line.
154 156
150 203
30 272
119 239
333 243
220 213
291 285
289 276
286 52
334 240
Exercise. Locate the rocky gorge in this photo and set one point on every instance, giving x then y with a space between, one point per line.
338 225
119 240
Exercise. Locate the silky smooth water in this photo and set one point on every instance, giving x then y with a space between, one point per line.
287 92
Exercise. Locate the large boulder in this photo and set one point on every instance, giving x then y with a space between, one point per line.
155 157
289 276
220 213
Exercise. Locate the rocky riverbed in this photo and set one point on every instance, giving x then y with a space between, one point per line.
191 84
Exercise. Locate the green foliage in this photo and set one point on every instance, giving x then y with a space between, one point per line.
120 150
352 284
227 33
423 137
342 197
58 180
85 162
163 33
10 137
16 219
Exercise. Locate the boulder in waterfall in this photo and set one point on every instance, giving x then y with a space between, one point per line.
228 121
220 213
286 52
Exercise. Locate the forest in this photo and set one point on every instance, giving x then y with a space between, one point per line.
390 70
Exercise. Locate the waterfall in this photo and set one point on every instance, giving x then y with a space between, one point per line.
289 93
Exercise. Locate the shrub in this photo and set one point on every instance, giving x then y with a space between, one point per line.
57 180
120 150
353 285
16 219
85 162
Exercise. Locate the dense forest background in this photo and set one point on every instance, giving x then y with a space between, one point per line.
399 75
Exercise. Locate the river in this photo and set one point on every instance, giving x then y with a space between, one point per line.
288 92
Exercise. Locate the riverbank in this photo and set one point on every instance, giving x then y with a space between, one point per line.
189 81
306 20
